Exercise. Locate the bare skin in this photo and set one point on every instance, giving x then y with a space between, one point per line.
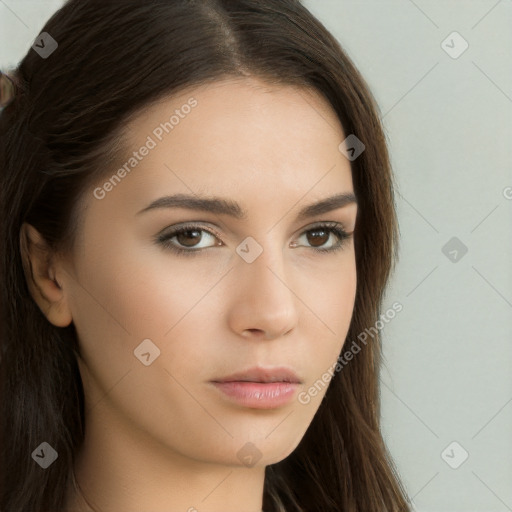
161 437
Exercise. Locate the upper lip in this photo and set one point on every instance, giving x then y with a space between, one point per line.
258 374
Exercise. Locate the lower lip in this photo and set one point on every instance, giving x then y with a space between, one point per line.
258 395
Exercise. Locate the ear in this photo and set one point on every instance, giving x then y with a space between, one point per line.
40 273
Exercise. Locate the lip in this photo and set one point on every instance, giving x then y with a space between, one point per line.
258 395
262 375
260 388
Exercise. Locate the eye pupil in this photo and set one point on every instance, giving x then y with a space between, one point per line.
183 236
323 234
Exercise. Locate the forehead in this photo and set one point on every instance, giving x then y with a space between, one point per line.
261 144
240 126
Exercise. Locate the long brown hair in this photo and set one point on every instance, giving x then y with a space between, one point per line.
60 133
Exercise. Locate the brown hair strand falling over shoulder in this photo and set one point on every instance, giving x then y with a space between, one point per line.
57 137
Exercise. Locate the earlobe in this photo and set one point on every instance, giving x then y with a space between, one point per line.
40 274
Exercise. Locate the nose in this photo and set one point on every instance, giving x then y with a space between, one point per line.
264 304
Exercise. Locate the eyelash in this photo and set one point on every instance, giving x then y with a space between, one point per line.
330 227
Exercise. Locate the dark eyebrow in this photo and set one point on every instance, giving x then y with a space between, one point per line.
222 206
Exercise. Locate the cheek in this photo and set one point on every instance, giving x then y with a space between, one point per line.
343 298
138 294
136 291
329 292
333 304
125 299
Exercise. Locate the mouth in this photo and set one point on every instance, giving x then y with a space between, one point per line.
259 388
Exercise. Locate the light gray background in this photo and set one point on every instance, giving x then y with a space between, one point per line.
448 353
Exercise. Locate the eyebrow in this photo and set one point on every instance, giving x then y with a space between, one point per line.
218 205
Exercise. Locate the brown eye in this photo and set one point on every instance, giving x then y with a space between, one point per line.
189 238
318 237
186 239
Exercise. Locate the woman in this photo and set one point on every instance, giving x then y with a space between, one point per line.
198 221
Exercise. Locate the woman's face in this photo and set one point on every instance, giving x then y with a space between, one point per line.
157 326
